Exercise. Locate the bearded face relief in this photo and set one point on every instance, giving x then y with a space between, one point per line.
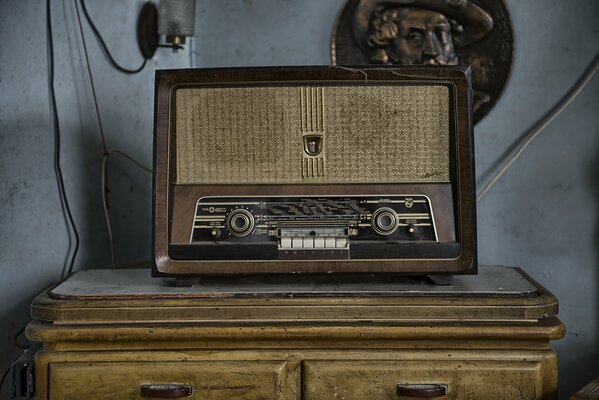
410 35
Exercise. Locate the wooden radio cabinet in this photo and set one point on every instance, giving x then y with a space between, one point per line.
118 334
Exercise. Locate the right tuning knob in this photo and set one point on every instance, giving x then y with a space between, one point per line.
385 221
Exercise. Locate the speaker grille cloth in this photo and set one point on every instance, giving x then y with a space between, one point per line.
374 133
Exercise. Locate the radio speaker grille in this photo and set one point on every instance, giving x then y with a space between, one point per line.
369 134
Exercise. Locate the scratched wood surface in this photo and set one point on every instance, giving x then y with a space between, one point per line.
105 296
219 380
491 281
467 372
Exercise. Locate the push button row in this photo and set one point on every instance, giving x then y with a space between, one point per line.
313 243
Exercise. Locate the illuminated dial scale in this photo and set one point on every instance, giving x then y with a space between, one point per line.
308 223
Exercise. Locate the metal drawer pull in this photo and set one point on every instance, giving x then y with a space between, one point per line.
421 390
168 391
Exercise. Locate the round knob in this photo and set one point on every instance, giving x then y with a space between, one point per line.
411 229
240 222
384 221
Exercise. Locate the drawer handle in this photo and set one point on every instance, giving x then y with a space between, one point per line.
168 391
421 390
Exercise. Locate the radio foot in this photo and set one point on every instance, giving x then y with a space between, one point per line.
186 281
441 279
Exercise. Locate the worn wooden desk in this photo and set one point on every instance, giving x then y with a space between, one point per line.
117 334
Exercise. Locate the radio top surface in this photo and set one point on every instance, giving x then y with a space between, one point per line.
314 169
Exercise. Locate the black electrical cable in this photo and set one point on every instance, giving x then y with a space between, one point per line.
91 81
19 346
4 378
105 48
56 128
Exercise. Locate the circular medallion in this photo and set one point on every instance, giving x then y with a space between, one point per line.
431 32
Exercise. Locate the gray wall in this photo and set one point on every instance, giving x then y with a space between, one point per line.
542 215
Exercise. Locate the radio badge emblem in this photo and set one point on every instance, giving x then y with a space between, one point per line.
313 144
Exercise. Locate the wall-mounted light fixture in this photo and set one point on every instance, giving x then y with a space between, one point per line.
173 19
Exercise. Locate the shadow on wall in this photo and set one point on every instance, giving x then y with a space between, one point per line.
129 200
591 361
587 365
93 246
129 204
594 184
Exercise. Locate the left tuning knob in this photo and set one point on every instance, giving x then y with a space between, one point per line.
240 222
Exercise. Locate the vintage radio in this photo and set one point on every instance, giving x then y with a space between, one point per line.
314 170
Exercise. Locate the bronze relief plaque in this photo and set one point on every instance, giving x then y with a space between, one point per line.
431 32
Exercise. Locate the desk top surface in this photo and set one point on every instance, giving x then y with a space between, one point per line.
128 307
132 296
107 284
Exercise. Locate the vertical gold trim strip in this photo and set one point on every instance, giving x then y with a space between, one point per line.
304 118
307 110
317 107
313 107
302 102
305 106
321 109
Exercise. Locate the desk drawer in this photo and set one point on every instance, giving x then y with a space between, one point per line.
378 380
205 380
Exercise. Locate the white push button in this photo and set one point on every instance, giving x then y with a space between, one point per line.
308 243
329 242
319 243
286 242
297 242
341 243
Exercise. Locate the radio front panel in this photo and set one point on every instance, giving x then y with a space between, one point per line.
283 218
310 227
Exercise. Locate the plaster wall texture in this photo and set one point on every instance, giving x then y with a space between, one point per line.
543 215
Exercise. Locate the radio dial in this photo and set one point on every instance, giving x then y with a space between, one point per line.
240 222
384 221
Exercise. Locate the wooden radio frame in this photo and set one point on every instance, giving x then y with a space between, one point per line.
171 260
